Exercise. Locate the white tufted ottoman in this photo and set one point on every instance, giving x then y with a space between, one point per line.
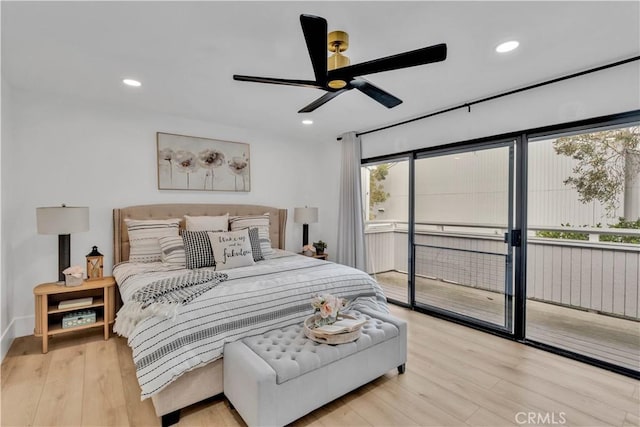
277 377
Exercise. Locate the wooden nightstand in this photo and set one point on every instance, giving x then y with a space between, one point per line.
49 316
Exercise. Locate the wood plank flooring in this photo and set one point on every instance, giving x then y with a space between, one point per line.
455 376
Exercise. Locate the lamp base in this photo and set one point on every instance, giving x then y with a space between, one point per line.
64 255
305 235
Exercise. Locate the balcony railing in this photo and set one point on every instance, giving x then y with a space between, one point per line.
585 274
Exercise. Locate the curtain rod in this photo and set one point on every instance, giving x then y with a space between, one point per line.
468 105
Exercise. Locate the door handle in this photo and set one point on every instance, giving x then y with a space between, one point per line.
514 238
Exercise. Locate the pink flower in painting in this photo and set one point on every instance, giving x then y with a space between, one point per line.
166 154
238 165
185 161
210 158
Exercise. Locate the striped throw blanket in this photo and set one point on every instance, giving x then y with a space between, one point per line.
162 298
271 294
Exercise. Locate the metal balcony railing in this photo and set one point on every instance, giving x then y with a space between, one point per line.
586 274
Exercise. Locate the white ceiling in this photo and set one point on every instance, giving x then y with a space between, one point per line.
185 54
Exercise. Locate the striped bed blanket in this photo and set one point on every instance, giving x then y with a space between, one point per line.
271 294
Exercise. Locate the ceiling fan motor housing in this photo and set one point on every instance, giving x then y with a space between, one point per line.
337 42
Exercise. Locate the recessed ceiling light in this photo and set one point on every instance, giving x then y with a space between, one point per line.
307 122
131 82
507 46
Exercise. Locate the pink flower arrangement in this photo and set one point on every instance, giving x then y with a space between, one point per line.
328 306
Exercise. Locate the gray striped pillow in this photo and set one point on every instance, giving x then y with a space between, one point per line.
261 222
144 235
172 248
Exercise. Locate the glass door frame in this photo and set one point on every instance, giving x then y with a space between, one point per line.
513 234
408 157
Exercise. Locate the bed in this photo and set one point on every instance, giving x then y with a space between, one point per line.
299 275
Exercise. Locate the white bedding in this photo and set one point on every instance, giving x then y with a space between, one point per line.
270 294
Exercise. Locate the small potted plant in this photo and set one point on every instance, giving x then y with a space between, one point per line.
320 247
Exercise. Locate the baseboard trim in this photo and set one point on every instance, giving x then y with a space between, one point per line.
18 327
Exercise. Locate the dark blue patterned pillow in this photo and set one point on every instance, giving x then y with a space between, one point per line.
197 250
254 238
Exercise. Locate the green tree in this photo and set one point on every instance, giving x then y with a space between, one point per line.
605 159
376 187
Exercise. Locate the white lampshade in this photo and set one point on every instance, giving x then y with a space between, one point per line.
62 219
305 215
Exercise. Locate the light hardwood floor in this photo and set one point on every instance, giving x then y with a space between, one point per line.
455 376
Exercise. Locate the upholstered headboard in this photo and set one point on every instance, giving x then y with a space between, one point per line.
277 220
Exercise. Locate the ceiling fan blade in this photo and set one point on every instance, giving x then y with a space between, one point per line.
288 82
412 58
321 101
315 34
374 92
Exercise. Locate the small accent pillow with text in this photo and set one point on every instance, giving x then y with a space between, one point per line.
197 250
261 222
172 250
144 235
207 223
231 249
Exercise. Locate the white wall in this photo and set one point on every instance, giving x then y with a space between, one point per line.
5 290
610 91
85 154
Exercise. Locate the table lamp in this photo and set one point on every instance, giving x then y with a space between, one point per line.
62 220
305 216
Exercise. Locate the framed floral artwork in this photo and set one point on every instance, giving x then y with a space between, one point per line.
194 163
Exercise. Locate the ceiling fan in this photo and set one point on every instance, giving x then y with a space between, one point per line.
335 75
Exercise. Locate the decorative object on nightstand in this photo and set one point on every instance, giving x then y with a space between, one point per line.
73 276
320 247
95 264
305 216
308 250
54 303
62 220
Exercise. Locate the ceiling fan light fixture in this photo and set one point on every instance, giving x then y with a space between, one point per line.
337 84
307 122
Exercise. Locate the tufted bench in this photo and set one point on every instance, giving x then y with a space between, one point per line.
277 377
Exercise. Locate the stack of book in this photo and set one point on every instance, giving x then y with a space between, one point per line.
342 326
74 303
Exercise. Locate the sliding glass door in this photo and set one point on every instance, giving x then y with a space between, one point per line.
535 236
462 233
583 245
386 204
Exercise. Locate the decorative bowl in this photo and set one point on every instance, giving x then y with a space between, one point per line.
319 337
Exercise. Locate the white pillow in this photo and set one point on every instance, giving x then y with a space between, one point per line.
207 223
172 250
261 222
231 249
144 235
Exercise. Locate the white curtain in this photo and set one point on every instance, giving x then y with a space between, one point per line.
350 248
